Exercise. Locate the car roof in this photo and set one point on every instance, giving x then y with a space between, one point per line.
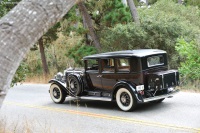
127 53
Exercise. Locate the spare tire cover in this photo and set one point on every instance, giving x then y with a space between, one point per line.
75 86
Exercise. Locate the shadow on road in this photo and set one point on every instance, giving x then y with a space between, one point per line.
103 105
93 104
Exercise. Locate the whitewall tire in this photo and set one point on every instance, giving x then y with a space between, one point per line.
125 100
57 94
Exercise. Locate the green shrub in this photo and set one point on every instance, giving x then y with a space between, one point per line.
190 54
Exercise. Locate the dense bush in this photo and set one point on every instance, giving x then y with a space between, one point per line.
190 54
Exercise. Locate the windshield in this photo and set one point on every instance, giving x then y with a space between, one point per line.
155 60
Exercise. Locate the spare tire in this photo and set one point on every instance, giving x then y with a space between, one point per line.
75 86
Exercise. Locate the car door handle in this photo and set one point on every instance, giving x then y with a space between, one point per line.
99 76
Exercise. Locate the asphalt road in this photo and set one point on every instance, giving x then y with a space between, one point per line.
29 108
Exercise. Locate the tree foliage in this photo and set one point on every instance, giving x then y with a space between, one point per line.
7 5
107 13
184 2
79 51
72 22
20 74
192 3
159 28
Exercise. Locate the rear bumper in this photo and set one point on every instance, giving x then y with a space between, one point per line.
169 95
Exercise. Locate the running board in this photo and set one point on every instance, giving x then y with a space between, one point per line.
95 98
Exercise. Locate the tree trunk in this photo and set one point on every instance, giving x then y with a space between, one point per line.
147 2
134 12
2 96
88 21
55 62
180 1
43 57
21 28
87 40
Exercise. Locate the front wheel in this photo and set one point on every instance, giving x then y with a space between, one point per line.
125 100
57 94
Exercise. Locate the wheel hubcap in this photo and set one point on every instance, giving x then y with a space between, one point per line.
72 85
56 93
125 99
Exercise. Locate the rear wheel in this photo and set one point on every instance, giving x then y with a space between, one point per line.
57 94
125 100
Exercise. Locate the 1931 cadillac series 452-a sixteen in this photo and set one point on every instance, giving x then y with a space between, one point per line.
128 77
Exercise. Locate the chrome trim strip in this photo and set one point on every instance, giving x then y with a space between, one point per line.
163 81
95 98
160 97
169 71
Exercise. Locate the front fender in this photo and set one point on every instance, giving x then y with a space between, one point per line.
60 83
129 85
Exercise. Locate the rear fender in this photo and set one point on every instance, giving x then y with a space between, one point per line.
128 85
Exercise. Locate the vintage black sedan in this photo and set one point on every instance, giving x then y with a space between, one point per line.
128 77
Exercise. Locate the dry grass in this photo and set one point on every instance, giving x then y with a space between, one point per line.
24 127
3 126
190 86
39 79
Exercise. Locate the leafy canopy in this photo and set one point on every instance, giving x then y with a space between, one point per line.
79 51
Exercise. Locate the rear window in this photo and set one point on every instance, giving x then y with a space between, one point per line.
155 60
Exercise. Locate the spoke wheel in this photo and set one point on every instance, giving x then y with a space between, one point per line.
125 100
74 85
57 94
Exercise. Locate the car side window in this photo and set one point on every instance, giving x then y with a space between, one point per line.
107 65
92 64
123 65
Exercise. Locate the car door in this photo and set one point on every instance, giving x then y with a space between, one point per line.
107 74
93 76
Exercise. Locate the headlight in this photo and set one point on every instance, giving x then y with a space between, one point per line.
59 76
